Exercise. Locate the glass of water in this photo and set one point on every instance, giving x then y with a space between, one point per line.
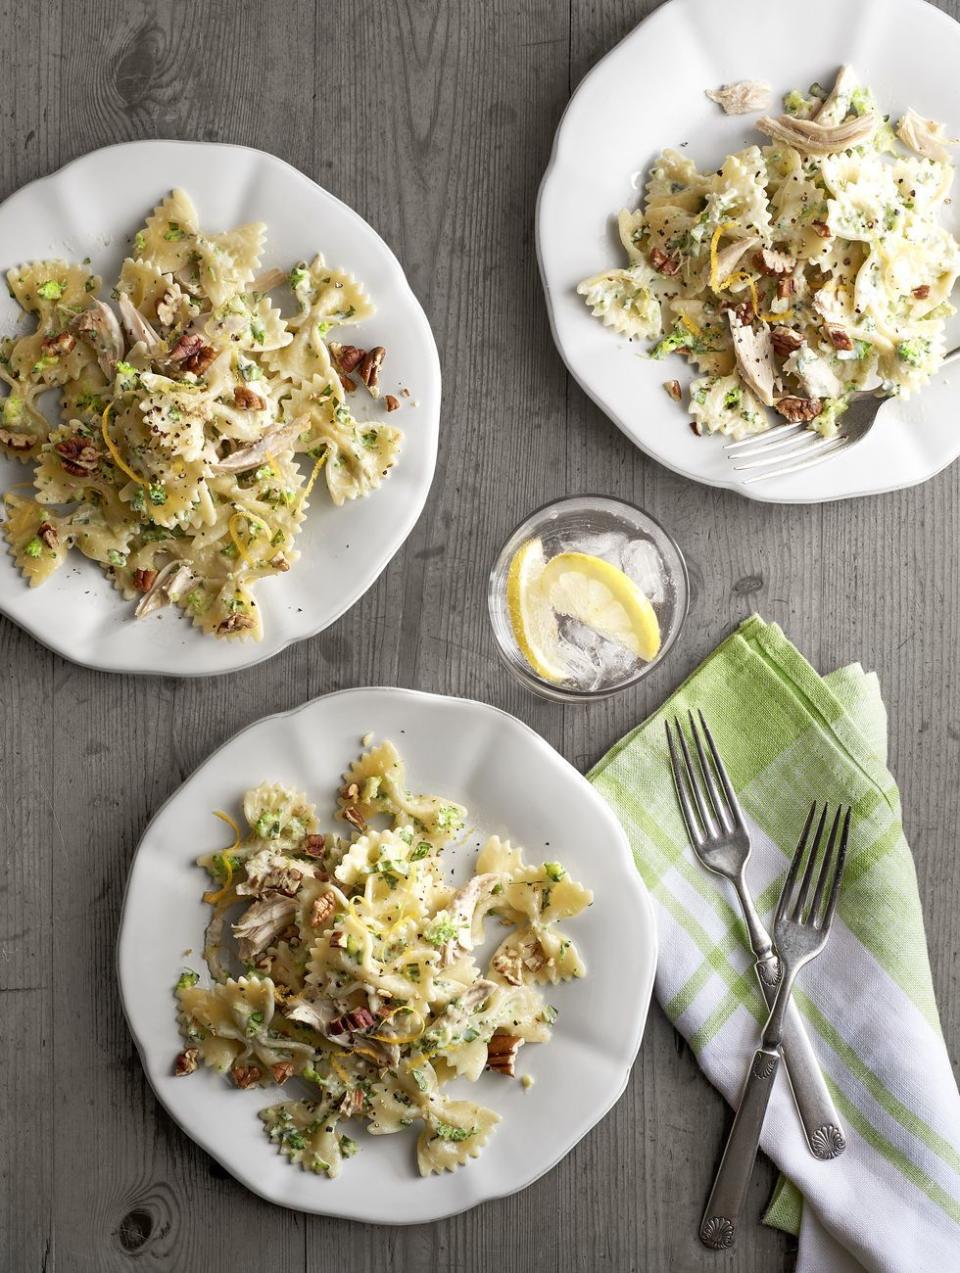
627 538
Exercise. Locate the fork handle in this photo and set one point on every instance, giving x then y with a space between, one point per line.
718 1228
818 1114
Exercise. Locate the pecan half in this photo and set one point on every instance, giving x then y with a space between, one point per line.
531 952
502 1052
49 535
349 792
282 1071
799 409
355 818
786 286
665 263
352 1103
838 338
345 358
772 263
785 340
280 563
368 369
338 940
186 1062
314 845
236 623
697 428
323 907
742 309
54 346
821 228
391 402
285 880
143 580
246 1075
77 456
349 386
922 292
200 361
16 441
247 399
673 390
189 344
509 965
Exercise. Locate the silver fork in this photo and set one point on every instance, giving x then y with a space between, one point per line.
719 837
789 448
801 930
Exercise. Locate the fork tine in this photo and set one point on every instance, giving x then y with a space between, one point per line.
809 445
824 867
778 431
794 870
766 448
706 820
686 808
719 807
840 442
733 803
837 875
803 892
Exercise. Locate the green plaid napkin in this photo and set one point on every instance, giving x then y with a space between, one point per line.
891 1202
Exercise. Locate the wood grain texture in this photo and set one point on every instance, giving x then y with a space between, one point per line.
434 119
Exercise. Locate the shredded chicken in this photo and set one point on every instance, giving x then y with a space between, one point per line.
742 97
137 327
925 136
278 437
98 326
729 258
753 350
168 585
261 924
813 138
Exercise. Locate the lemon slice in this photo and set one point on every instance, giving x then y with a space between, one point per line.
531 616
604 598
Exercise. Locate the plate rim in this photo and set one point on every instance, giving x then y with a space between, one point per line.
751 493
247 1178
431 419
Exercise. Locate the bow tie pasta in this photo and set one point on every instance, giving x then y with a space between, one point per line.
794 274
182 411
362 981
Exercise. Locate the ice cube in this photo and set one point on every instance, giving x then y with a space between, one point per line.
641 560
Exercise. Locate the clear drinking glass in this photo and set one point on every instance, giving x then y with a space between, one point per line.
623 535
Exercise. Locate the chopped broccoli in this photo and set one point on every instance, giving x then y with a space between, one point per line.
442 930
421 851
913 351
116 558
139 243
187 978
297 275
446 1131
51 290
33 547
554 871
12 409
348 1147
175 233
157 493
677 338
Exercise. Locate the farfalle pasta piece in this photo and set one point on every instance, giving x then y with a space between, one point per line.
455 1132
35 538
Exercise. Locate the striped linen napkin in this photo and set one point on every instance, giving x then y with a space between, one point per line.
891 1202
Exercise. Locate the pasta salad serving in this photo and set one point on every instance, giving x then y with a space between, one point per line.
362 985
797 273
171 461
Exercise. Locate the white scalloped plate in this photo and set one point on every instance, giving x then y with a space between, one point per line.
648 93
513 783
91 208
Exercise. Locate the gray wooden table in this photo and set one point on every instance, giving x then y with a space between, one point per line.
434 119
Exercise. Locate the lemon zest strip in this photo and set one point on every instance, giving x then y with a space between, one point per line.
114 452
724 228
214 896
